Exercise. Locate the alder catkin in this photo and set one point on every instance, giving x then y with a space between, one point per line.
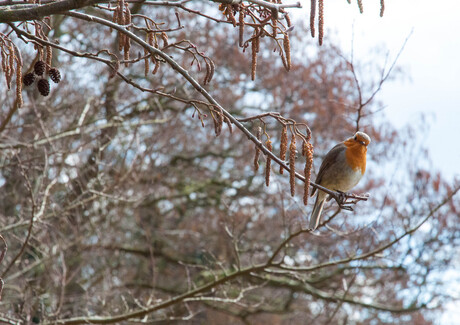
312 17
292 156
241 26
208 73
283 146
218 122
268 144
126 49
49 58
360 5
229 124
231 15
320 21
19 84
254 59
257 154
382 7
307 148
287 50
147 59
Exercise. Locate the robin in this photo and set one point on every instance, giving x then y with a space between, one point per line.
342 168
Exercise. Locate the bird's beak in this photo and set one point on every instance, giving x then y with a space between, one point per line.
362 142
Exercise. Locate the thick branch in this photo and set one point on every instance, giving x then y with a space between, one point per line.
33 12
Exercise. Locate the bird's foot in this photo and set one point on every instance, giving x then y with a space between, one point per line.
342 201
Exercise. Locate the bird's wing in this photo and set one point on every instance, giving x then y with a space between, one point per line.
328 160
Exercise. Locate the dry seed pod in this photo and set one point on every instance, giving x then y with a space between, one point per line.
28 79
39 67
257 154
283 146
268 164
43 87
321 22
292 156
308 149
55 75
312 17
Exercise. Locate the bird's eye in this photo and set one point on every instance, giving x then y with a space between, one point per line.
356 138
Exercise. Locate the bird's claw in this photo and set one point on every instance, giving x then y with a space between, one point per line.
342 201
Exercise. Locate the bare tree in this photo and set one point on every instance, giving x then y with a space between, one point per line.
130 194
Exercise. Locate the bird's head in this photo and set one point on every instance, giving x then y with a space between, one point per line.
361 138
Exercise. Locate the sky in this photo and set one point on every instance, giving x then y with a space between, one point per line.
430 60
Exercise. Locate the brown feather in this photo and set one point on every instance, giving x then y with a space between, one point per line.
329 159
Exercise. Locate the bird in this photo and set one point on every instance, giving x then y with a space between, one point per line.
341 170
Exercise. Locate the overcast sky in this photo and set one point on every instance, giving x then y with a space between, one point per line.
431 60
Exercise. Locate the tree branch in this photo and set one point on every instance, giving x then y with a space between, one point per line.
34 12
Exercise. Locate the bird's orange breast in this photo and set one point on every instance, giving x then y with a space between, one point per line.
356 156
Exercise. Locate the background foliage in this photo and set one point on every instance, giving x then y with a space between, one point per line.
120 204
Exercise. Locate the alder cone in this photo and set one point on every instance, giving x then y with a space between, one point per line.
55 75
39 67
43 87
28 79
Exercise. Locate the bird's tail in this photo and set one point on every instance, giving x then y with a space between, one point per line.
317 209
